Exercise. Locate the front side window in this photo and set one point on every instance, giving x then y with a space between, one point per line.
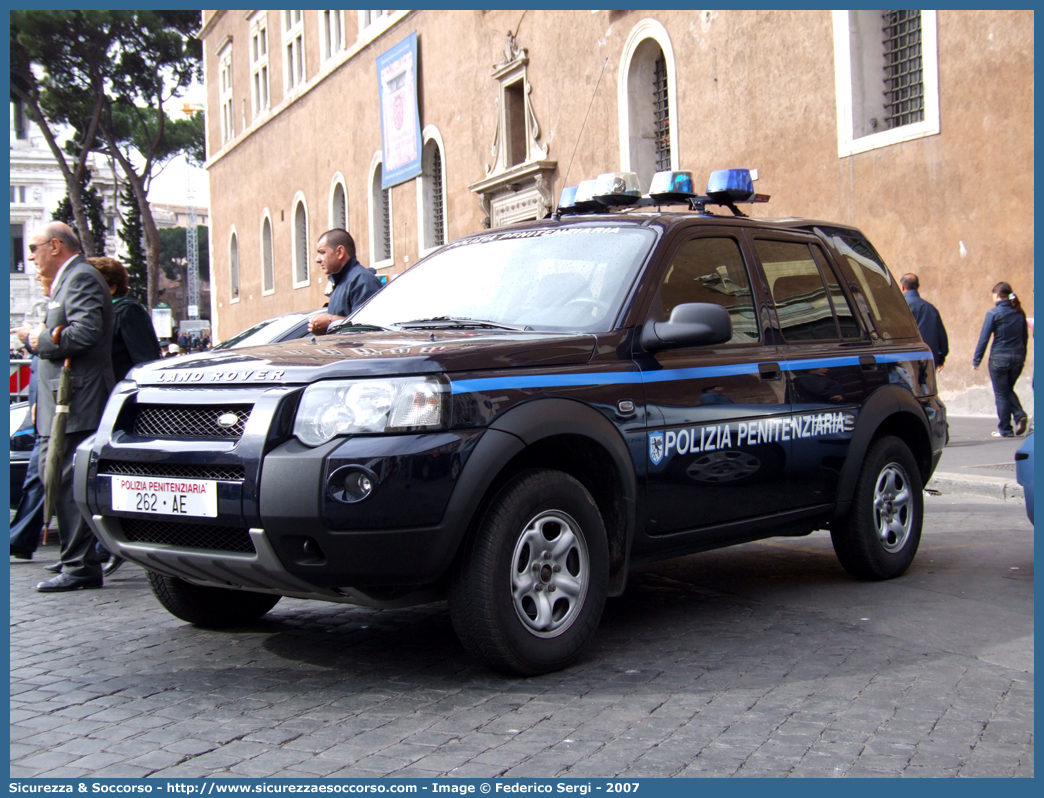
710 270
572 278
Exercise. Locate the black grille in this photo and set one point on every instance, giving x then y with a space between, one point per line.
179 421
174 470
188 536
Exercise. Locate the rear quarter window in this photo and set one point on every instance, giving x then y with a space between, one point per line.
884 301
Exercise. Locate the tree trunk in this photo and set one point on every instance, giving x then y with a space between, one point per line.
148 224
71 176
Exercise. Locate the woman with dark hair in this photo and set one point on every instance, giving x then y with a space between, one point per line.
1006 322
133 336
133 341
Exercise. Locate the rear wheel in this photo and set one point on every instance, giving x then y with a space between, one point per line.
530 585
879 537
209 607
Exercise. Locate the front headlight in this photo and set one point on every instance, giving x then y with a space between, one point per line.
341 407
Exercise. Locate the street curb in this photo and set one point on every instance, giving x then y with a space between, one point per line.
955 484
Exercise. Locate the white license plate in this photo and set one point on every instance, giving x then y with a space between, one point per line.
165 496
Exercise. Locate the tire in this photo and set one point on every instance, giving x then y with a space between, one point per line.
209 607
500 595
879 537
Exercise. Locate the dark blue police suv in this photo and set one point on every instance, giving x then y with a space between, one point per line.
530 412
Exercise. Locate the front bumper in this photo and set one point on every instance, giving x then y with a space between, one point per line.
278 527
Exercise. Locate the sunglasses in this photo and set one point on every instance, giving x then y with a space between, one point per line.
34 247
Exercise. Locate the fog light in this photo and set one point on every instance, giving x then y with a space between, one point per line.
351 484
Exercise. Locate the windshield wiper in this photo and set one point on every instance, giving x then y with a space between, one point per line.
458 322
347 326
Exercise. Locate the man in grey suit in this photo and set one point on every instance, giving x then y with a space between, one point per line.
78 325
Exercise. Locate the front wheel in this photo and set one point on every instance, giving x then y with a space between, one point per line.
209 607
531 581
879 537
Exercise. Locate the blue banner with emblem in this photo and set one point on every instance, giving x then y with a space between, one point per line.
400 118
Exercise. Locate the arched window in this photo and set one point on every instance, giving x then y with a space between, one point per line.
267 256
301 246
338 204
380 218
233 267
431 193
647 102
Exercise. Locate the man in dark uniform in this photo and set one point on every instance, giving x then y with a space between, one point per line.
78 326
352 282
929 322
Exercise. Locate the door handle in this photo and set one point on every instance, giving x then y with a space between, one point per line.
868 362
770 371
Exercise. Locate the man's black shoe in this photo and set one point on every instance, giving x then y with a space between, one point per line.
54 568
21 555
112 565
64 583
1021 424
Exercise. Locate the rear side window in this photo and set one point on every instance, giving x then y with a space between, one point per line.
885 302
798 291
846 318
711 270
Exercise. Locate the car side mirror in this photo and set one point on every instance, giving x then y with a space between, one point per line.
691 324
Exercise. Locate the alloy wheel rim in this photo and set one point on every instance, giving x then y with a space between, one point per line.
550 574
893 507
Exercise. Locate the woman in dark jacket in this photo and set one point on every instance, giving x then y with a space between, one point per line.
1006 322
133 342
133 336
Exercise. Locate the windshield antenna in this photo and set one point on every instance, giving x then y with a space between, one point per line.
581 133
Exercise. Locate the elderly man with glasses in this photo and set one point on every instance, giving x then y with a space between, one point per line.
78 326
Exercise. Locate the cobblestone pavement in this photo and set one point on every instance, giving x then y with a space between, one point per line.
760 660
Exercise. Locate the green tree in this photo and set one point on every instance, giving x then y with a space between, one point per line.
107 75
93 206
73 50
174 254
132 236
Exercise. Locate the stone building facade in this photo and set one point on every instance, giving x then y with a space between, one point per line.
916 127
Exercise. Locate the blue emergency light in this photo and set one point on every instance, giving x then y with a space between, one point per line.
725 187
669 187
567 201
735 185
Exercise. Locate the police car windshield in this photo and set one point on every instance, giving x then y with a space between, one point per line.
568 278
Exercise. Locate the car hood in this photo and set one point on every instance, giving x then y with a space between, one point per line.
372 354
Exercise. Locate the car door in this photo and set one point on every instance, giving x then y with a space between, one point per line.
715 453
828 360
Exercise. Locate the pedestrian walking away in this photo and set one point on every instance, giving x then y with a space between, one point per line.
929 322
1006 323
78 329
352 282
